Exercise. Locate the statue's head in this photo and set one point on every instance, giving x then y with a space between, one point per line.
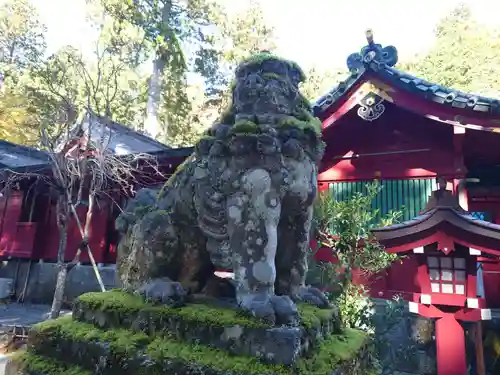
267 86
268 115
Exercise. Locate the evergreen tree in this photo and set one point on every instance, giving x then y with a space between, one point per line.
465 56
22 45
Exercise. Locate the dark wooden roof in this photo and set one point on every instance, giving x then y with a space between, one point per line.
442 213
122 140
380 61
20 158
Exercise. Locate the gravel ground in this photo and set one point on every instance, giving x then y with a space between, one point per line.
16 314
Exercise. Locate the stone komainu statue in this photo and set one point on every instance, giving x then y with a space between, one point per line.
242 201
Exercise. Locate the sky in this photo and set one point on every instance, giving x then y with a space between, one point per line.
315 33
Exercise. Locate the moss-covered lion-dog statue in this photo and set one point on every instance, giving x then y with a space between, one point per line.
242 201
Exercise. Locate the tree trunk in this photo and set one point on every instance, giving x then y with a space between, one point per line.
152 124
62 224
59 291
85 233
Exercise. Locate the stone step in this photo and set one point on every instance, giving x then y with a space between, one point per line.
31 364
123 352
203 322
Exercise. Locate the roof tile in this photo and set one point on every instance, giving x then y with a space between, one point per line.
381 60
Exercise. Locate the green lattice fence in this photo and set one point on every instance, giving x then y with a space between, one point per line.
409 196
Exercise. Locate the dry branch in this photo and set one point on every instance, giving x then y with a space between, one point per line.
81 163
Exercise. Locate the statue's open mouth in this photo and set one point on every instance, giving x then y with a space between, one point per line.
224 274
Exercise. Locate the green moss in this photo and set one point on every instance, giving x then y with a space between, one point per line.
314 124
212 358
178 170
201 313
332 352
207 138
35 364
120 340
317 125
214 316
259 58
312 316
245 127
272 76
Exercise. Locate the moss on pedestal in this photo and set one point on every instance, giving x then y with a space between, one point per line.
199 313
205 322
63 336
313 317
76 345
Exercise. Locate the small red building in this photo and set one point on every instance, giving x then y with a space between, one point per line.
445 244
28 228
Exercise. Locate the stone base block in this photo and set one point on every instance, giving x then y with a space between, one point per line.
122 352
208 322
114 333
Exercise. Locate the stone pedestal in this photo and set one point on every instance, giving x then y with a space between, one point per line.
117 333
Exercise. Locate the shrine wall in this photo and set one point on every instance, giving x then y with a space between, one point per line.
40 280
398 145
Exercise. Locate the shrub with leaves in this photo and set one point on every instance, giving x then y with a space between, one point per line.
356 308
345 227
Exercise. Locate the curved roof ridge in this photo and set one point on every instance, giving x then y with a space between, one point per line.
441 212
382 60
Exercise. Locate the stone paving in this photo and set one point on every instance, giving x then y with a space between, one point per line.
23 314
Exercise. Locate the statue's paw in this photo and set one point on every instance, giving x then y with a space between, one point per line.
164 291
271 308
311 295
285 310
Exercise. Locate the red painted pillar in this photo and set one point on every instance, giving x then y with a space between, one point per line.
450 345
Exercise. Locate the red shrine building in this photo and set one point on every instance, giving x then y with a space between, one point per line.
28 227
384 124
380 123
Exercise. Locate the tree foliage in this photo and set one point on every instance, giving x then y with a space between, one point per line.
14 118
197 44
22 45
319 82
346 228
169 28
465 56
193 46
235 37
22 39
